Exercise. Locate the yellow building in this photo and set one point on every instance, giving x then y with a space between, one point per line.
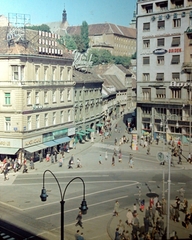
36 92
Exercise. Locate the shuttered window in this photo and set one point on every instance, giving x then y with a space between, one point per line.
160 77
161 24
160 42
175 41
146 60
175 59
176 76
146 26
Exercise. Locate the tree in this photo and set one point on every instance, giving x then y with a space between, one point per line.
134 56
124 60
100 56
85 35
68 41
42 27
79 43
82 40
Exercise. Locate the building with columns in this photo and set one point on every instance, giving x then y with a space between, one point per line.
164 57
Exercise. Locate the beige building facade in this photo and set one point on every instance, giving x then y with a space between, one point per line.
36 94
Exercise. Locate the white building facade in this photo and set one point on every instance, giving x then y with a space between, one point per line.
163 75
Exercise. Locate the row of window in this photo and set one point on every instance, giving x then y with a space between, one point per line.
176 23
161 93
49 119
160 60
160 76
161 42
48 73
35 98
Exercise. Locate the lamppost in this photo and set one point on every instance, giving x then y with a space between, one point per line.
44 196
164 124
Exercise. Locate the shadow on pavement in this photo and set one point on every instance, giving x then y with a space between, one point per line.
11 231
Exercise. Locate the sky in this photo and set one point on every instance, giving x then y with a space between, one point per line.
118 12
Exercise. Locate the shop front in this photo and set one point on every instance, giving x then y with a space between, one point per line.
9 147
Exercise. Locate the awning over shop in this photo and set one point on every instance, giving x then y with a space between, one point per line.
80 134
83 132
32 149
90 130
50 143
62 140
9 151
99 125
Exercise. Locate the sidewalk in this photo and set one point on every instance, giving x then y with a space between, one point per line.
182 232
110 222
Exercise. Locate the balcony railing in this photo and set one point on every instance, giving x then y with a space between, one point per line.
35 83
162 100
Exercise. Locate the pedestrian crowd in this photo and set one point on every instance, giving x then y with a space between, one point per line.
152 225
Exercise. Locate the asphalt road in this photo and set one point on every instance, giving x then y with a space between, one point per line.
24 216
21 204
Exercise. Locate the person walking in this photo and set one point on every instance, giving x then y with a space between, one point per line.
79 220
117 234
129 216
100 159
113 160
106 156
79 163
77 235
131 161
61 161
148 149
116 209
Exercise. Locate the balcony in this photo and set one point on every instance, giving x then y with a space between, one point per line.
36 83
170 101
187 66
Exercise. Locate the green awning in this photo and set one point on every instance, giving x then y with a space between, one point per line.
99 125
80 137
90 130
84 132
80 134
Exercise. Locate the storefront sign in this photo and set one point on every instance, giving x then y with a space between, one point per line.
60 133
174 50
32 141
5 143
71 131
12 143
159 51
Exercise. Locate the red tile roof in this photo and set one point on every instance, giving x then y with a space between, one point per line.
104 28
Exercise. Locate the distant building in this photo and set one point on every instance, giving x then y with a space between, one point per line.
119 40
87 104
59 27
3 21
133 21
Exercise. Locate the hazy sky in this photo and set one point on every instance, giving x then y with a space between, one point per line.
92 11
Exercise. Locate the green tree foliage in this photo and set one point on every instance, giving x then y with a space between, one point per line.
85 35
100 56
42 27
82 40
79 43
124 60
134 56
68 41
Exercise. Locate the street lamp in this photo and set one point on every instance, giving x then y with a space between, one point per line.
44 196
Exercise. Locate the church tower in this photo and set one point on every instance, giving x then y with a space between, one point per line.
133 21
64 16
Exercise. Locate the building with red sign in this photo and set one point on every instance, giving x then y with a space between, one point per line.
164 64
